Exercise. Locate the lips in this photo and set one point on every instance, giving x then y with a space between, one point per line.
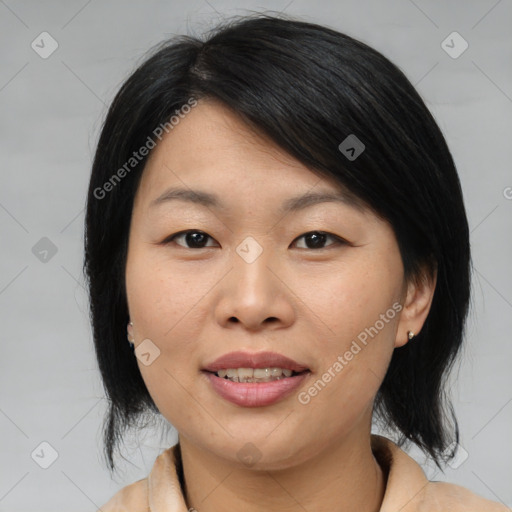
261 394
254 360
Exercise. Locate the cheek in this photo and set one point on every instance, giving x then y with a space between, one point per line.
343 301
163 305
356 312
354 343
161 298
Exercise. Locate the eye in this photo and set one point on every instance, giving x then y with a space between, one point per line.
195 238
317 238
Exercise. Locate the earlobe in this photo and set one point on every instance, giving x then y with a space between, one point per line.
129 335
418 300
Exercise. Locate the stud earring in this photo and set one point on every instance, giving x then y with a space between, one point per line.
410 335
129 329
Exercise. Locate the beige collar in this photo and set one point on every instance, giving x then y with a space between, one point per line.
407 487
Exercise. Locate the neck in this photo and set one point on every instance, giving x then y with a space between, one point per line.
341 478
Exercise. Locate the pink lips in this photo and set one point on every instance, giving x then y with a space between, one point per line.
255 394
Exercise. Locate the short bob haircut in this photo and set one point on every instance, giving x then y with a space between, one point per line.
307 87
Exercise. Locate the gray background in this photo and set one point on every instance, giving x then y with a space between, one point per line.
51 113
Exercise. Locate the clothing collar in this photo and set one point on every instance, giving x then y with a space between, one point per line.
405 479
407 487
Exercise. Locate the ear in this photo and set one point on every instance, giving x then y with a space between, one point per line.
418 299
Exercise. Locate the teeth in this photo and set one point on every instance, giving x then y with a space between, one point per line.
254 374
245 373
263 373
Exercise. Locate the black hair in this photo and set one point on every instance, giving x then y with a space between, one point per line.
307 87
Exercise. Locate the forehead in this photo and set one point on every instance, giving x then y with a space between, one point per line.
211 153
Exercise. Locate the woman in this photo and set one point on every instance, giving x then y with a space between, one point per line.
275 222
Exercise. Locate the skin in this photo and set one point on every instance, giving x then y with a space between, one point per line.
197 302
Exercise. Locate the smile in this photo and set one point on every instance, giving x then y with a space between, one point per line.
255 374
253 391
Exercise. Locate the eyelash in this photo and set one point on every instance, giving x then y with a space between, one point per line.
171 238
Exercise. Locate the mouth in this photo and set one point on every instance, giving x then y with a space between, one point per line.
255 379
245 391
255 365
269 374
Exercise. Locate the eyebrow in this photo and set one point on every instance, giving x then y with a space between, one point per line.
290 205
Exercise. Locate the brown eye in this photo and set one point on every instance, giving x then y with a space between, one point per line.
194 238
316 239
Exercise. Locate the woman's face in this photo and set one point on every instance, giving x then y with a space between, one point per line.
253 277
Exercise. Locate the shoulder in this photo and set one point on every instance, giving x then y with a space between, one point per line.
161 488
409 490
131 497
446 496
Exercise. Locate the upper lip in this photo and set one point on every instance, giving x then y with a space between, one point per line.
254 360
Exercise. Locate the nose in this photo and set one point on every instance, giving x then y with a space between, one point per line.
255 295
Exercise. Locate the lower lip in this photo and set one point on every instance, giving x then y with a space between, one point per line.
255 394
